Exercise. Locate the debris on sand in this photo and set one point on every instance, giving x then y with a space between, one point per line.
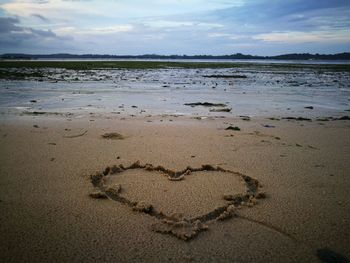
245 118
226 76
199 118
221 110
327 255
75 136
205 104
35 113
296 118
233 128
268 126
344 118
309 107
33 101
322 119
113 136
183 229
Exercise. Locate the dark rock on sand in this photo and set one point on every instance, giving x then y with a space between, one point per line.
329 256
245 118
226 76
322 119
344 118
221 110
113 136
205 104
234 128
296 118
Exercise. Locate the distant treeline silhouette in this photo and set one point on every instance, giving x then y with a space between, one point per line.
294 56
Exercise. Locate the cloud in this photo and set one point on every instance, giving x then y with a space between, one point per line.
122 9
305 37
95 30
175 26
262 16
8 24
14 37
43 33
41 17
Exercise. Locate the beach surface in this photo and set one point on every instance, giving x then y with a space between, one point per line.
47 214
175 165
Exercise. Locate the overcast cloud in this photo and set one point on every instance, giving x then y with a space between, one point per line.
175 26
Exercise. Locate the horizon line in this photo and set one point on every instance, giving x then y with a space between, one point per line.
169 55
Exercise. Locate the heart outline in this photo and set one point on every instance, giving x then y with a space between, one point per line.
178 226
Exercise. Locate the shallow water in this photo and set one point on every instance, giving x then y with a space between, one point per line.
264 92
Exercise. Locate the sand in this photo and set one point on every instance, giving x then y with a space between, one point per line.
302 168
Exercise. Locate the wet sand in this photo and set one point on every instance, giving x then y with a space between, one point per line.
47 214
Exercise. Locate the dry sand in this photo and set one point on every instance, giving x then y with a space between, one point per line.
48 215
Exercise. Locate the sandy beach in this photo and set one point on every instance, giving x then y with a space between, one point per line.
175 131
47 214
177 162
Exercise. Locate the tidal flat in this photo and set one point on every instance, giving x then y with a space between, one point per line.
156 87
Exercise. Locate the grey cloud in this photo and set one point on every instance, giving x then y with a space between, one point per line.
41 1
42 18
78 0
8 24
15 37
43 33
281 14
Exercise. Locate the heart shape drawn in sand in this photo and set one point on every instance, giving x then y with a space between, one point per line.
212 195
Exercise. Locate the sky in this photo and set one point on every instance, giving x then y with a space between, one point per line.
191 27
